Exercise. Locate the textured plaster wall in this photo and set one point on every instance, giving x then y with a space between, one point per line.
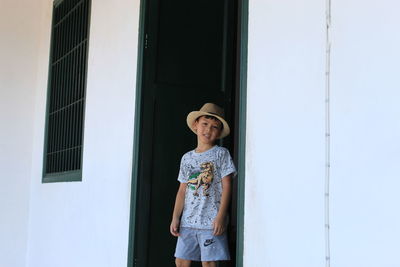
284 220
19 31
284 215
365 133
86 223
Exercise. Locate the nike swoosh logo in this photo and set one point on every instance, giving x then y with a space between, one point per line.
208 242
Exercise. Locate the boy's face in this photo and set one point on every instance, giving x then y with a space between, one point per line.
208 130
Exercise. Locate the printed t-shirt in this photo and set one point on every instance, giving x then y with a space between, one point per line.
203 173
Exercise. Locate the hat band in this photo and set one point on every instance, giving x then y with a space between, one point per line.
214 113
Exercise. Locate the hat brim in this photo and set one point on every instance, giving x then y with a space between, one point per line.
192 116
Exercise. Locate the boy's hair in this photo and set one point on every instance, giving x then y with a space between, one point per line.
212 118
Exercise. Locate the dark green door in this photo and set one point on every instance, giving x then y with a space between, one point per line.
188 61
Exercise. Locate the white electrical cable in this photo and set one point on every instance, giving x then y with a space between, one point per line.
327 133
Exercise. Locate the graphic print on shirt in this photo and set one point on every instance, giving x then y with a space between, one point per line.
202 178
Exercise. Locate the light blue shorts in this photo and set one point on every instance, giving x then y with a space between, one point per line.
201 245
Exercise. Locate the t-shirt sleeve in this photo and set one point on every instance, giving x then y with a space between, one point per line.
182 176
227 165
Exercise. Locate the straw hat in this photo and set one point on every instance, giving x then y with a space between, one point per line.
209 109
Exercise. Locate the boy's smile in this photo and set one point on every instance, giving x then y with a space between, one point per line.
208 130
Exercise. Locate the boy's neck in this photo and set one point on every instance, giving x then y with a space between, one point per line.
203 147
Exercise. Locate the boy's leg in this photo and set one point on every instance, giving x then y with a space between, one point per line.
209 264
187 247
182 263
213 248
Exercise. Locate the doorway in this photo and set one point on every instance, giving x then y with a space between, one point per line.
189 57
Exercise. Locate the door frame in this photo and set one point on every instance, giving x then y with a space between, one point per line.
241 83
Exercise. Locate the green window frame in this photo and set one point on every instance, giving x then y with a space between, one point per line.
63 146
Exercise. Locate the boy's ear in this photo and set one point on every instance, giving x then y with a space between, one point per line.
195 123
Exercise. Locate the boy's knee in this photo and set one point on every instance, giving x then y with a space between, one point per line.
182 263
208 263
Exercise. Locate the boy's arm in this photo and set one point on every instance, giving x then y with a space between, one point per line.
178 208
219 222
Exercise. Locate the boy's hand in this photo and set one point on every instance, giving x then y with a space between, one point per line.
219 226
174 228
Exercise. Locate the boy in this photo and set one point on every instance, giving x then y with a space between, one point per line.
200 213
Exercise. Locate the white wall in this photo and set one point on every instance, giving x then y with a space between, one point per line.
284 221
87 223
19 28
284 206
365 133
